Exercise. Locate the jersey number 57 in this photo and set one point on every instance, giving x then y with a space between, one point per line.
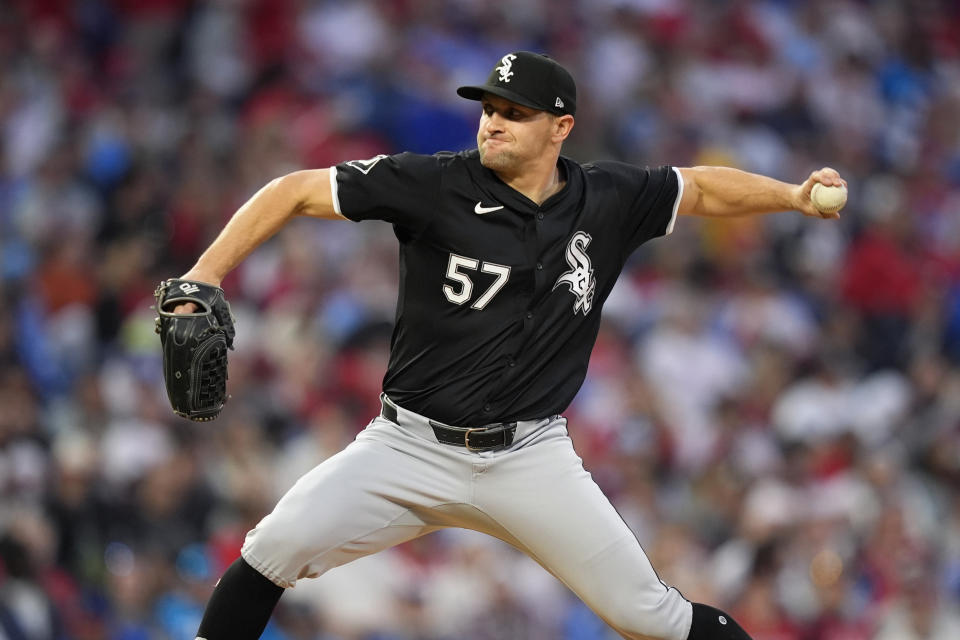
456 267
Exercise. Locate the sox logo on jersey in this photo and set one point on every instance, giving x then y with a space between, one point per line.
580 277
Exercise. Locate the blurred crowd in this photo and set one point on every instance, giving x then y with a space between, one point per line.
773 404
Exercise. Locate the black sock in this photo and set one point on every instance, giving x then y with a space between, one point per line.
240 605
713 624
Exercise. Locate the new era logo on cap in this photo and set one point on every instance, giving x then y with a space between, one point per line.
531 79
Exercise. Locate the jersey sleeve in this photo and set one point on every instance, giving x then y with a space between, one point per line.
398 189
649 199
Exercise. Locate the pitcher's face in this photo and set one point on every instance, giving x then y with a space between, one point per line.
511 134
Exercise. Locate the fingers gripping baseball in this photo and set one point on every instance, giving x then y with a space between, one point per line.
823 194
829 177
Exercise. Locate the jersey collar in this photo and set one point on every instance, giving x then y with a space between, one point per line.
507 195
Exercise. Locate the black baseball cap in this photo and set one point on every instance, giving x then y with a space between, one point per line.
532 79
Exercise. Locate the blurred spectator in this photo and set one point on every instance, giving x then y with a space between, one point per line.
920 612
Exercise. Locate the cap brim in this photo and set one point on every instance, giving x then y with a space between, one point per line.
476 93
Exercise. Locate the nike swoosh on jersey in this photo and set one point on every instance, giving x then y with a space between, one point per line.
480 209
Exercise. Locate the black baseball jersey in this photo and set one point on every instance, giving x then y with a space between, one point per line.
499 301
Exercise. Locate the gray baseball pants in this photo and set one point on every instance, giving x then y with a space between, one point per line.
395 482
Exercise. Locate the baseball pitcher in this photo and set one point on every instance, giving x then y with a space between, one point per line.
507 254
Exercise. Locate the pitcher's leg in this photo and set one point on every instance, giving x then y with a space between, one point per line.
559 516
378 492
372 495
240 605
713 624
549 504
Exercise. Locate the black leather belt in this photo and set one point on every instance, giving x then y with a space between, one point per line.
486 438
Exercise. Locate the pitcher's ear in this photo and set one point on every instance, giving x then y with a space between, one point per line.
563 125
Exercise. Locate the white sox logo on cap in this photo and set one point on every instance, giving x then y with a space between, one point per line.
532 79
506 62
580 277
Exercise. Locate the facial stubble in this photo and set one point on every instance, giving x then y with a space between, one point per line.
498 161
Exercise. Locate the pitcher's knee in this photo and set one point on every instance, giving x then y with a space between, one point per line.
269 537
662 618
278 552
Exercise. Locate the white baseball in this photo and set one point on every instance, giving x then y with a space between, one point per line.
828 199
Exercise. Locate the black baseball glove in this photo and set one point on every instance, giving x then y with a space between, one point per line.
194 347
